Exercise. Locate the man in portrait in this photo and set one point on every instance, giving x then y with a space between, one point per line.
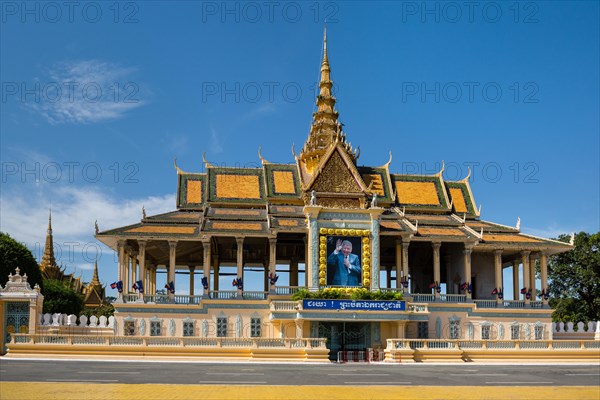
344 265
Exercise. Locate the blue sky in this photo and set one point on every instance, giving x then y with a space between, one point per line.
97 100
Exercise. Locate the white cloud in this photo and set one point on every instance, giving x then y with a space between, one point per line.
549 232
85 92
74 210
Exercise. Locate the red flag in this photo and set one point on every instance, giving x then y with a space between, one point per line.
495 291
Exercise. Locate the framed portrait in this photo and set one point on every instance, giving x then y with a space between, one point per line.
344 257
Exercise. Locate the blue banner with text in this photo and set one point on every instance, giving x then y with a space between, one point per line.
355 305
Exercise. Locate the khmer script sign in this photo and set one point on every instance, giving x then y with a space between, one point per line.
355 305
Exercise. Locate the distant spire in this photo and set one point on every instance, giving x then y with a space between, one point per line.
95 280
325 130
48 260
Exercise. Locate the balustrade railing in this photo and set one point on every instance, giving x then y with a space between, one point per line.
486 303
453 298
252 295
558 345
423 298
287 290
223 294
164 341
513 303
536 304
286 305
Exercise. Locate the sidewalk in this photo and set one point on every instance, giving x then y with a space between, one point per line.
107 391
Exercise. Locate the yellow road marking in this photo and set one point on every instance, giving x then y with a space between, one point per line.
114 391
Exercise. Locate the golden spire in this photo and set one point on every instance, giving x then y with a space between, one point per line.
95 281
325 130
48 260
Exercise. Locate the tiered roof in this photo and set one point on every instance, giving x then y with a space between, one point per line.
270 199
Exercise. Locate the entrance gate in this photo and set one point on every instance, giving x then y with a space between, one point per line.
16 319
345 336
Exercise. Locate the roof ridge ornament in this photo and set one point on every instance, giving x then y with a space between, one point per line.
572 240
179 171
466 178
441 170
518 226
206 163
262 160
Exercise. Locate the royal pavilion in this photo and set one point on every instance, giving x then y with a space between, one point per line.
418 235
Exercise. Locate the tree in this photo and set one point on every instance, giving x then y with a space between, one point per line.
574 280
60 297
14 254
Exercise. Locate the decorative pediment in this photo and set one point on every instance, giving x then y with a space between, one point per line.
336 174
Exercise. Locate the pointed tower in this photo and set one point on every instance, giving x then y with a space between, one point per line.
94 291
325 130
48 265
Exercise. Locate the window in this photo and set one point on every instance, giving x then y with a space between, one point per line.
188 328
255 327
539 332
454 329
423 330
129 328
485 332
514 332
154 328
221 327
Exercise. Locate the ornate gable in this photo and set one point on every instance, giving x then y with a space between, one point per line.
335 177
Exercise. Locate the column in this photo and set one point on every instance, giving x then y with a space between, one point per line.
498 270
525 262
134 262
544 274
240 257
375 216
121 266
467 272
532 275
399 271
126 270
405 244
142 261
272 257
400 330
436 265
192 269
216 271
172 266
152 279
294 271
299 328
206 247
516 284
306 276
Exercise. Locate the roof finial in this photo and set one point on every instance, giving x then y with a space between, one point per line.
95 279
325 41
50 220
518 223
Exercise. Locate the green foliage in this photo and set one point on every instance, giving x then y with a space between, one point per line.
106 309
574 280
14 254
59 297
346 293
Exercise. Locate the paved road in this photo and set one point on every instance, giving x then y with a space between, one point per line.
297 374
